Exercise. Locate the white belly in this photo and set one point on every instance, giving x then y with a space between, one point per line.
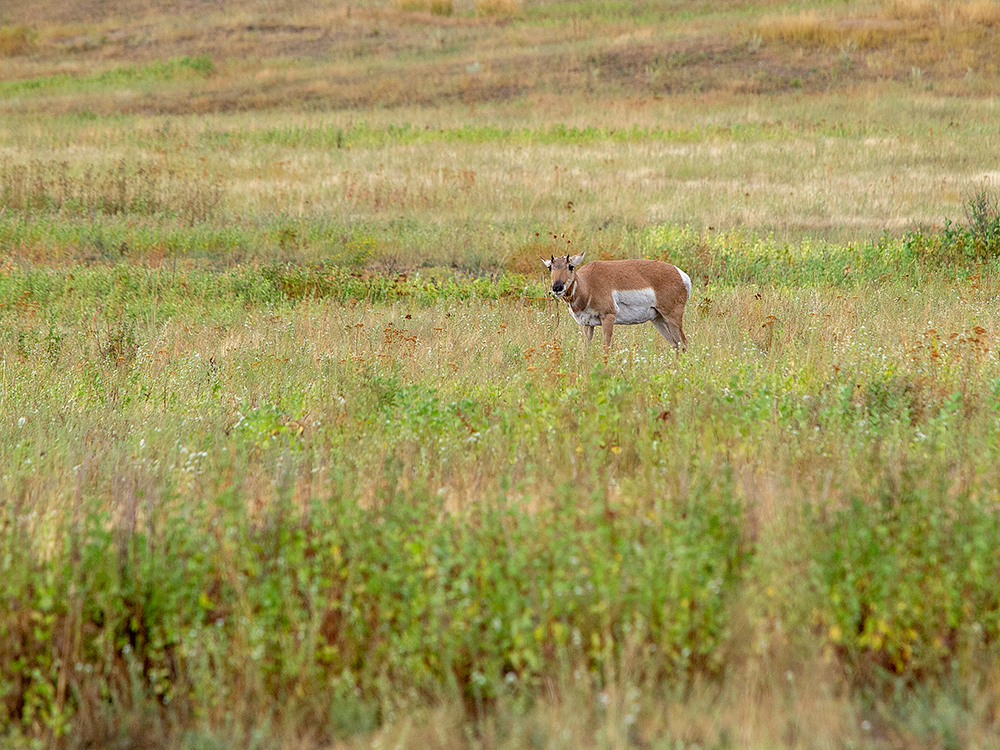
634 306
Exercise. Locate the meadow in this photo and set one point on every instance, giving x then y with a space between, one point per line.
296 450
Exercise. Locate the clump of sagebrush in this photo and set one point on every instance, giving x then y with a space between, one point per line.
975 240
982 228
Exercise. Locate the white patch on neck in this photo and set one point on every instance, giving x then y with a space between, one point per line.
634 306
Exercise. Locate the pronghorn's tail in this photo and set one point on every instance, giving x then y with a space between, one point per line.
687 281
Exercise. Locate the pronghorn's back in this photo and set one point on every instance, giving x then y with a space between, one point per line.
665 279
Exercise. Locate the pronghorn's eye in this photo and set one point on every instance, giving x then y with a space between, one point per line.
571 268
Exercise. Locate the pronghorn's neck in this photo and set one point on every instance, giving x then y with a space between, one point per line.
573 294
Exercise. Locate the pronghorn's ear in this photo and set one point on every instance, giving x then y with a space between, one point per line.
547 263
575 260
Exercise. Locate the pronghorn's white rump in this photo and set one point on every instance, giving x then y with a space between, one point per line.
687 281
626 292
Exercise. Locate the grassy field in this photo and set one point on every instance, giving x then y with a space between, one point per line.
296 451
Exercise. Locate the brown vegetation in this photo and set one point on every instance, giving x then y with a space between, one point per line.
339 55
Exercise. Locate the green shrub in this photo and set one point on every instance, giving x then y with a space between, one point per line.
977 240
907 580
348 607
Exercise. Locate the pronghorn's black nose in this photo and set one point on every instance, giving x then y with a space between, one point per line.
557 286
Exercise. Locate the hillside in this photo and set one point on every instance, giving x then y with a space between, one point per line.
197 57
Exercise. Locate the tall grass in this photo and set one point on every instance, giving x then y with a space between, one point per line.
474 195
230 499
295 450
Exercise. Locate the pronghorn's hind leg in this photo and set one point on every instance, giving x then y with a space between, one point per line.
670 330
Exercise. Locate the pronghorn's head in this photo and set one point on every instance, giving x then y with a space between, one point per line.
563 271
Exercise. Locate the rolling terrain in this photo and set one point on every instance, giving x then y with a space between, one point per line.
296 450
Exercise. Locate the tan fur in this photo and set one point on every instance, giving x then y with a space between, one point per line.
590 292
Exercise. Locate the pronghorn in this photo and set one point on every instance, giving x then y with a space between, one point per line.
626 292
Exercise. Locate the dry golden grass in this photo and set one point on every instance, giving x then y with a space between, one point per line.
16 41
912 9
805 27
947 12
918 31
765 705
844 169
498 8
986 12
437 7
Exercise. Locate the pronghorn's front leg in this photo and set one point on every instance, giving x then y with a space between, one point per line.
607 327
588 332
